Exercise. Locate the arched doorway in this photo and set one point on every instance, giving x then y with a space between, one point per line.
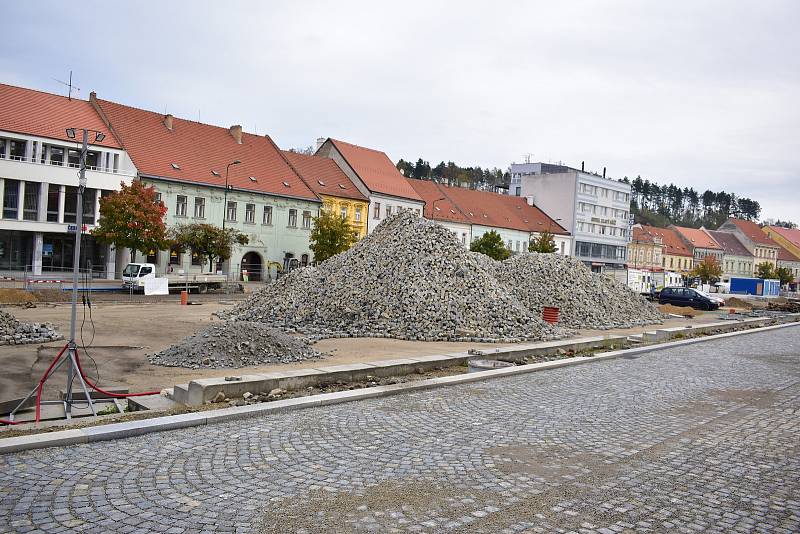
251 262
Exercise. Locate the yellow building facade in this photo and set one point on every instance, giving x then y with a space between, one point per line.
354 211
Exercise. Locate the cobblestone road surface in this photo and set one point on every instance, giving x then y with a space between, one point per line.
700 438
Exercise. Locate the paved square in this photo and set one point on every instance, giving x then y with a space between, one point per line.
699 438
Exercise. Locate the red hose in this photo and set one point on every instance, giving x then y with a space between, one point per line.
7 422
113 395
43 380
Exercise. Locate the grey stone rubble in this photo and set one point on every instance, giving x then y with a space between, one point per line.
585 299
235 344
14 332
410 279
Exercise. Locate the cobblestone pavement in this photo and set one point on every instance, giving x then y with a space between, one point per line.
700 438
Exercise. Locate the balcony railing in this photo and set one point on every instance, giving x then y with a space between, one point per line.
25 159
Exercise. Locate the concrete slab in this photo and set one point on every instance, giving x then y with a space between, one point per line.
204 389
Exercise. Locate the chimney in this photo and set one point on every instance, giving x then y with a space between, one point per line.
168 121
604 172
320 142
530 200
583 166
236 132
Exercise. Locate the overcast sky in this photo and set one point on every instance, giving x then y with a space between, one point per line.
701 93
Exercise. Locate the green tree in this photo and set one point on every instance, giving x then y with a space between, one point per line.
766 270
784 274
708 270
207 241
132 218
492 245
544 243
330 235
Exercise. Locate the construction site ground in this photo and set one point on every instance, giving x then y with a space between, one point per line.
125 333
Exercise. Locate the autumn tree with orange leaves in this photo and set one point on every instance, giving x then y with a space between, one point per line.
132 218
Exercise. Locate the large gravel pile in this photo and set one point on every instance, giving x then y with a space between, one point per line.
235 344
585 299
14 332
409 279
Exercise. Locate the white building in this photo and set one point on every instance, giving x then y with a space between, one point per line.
39 179
594 209
375 176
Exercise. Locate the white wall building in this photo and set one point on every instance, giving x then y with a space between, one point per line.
594 209
39 179
374 174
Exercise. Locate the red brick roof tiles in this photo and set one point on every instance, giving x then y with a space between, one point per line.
201 152
729 242
790 234
437 206
31 112
753 231
673 244
376 170
323 176
698 238
785 255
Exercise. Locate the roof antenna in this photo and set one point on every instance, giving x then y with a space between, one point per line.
69 84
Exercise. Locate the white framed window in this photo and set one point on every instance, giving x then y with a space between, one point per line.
376 211
250 213
293 218
388 210
358 214
199 208
306 219
180 205
343 212
230 212
266 218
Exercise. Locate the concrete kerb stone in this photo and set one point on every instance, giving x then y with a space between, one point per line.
203 389
132 428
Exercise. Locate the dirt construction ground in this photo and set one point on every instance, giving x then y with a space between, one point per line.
125 333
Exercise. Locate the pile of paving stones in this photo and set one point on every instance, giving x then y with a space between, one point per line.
235 344
14 332
585 299
409 279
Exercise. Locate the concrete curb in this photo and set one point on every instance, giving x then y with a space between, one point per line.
159 424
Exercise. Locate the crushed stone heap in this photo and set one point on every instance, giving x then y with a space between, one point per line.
409 279
235 344
14 332
585 299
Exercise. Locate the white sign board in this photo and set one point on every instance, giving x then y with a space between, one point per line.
156 286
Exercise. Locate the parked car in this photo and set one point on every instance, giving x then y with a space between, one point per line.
687 296
719 300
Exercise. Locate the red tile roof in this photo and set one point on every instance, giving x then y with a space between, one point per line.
500 211
200 151
698 238
753 231
437 206
26 111
376 170
673 244
729 242
323 176
645 234
790 234
785 255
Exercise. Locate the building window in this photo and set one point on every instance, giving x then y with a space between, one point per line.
230 213
388 210
180 206
358 214
199 208
307 219
562 248
250 213
30 204
89 200
196 259
343 212
304 260
175 256
293 218
376 211
158 198
16 149
267 217
10 199
418 213
53 196
464 238
70 204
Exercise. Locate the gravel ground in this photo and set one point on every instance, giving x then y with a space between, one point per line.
14 332
235 344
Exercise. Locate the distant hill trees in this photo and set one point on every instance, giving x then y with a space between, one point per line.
452 174
662 205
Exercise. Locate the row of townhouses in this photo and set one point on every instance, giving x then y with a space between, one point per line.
739 246
211 174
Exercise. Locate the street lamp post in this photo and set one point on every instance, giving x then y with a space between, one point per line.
71 349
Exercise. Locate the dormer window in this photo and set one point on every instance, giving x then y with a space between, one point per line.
437 208
253 179
175 166
215 173
320 182
342 186
286 184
